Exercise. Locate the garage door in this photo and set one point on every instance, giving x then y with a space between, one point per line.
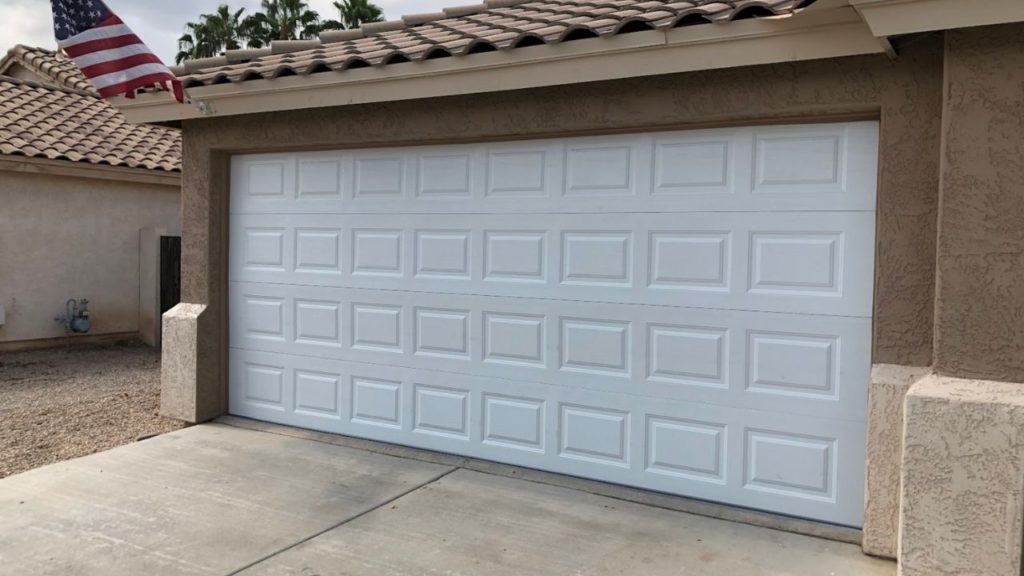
687 312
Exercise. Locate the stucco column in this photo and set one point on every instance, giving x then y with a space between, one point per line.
194 381
962 504
979 305
886 396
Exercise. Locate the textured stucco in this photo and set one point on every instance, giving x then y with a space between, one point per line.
962 507
980 286
905 94
67 237
179 361
886 395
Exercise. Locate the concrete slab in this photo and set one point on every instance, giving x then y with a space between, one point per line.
474 523
616 491
210 499
218 499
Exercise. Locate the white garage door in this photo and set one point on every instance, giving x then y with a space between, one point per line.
688 312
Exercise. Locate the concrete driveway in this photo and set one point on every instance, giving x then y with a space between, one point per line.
222 499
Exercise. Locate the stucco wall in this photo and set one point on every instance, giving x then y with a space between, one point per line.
905 94
65 237
980 301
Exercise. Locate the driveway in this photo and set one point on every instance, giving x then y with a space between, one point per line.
223 499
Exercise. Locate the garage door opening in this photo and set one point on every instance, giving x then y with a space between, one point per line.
688 312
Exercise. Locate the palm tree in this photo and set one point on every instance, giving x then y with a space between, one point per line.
353 14
281 20
213 34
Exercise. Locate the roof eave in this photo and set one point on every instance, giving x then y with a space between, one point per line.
55 167
896 17
815 34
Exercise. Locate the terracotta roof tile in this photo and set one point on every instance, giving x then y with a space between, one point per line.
46 64
61 123
495 24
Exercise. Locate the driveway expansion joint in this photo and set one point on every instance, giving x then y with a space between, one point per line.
342 522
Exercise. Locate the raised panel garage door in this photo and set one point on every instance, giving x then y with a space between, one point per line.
687 312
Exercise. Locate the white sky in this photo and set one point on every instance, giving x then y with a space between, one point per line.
160 22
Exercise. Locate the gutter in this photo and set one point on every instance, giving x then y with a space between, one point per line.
810 35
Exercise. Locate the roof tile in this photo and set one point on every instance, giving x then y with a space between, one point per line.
501 23
66 121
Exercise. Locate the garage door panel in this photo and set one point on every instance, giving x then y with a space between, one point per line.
681 311
810 167
818 263
791 363
745 457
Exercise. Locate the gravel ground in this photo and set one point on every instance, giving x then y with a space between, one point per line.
69 402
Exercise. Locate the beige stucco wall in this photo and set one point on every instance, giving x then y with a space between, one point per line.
979 314
949 280
69 237
962 509
883 469
905 94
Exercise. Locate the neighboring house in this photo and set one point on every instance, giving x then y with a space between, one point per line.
697 247
84 196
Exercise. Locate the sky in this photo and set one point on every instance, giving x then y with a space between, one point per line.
160 22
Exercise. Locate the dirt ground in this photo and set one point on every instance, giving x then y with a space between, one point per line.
65 403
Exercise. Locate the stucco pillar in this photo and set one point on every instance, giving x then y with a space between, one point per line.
886 396
186 364
962 497
979 304
194 383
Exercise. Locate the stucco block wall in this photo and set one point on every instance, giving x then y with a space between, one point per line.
979 315
905 94
886 395
962 508
66 237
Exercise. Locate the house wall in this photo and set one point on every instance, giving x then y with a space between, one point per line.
979 315
905 94
949 280
961 500
67 237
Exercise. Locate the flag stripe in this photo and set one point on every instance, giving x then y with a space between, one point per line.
102 44
109 54
108 31
102 56
125 87
129 74
120 64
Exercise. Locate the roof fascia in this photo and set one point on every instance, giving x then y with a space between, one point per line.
895 17
29 165
10 59
806 36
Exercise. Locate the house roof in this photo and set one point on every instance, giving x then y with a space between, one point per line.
48 66
55 118
496 25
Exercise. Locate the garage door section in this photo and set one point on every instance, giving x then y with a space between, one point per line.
687 312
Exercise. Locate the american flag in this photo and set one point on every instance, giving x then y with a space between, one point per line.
110 55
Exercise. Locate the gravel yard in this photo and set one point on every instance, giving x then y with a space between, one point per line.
69 402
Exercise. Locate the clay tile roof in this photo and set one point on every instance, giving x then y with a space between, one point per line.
462 30
61 123
47 64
